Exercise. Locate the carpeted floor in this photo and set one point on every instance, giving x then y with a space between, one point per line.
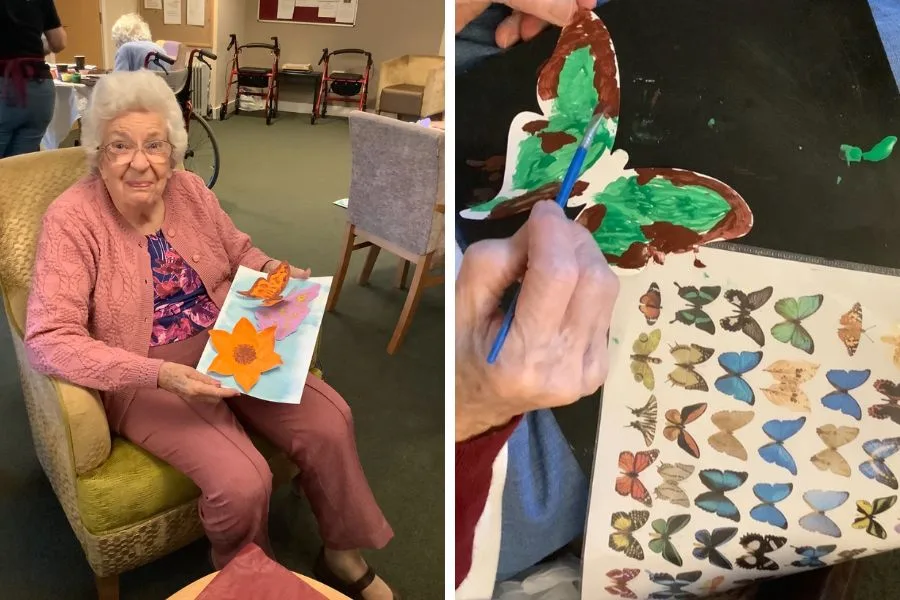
277 183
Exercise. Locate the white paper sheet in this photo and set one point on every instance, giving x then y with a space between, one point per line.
172 12
285 9
196 12
342 202
157 4
328 9
307 3
346 11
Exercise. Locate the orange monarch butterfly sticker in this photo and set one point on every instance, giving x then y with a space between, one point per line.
650 304
269 288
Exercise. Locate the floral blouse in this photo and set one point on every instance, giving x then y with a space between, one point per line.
181 306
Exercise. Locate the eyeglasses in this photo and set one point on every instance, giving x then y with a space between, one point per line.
121 153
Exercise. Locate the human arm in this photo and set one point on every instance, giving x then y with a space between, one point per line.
54 32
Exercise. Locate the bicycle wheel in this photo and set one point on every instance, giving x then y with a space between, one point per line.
202 155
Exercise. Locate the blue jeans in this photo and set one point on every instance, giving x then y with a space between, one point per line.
22 125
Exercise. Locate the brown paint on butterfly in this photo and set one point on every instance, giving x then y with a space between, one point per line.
650 304
851 328
269 288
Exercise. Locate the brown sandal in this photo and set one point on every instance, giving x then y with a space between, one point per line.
353 590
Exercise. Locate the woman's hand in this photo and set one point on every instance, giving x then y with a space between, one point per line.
296 273
556 350
528 19
191 384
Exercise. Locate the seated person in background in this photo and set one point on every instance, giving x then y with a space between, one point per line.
131 36
133 264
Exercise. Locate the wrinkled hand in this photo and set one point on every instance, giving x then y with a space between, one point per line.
296 273
556 350
528 19
191 384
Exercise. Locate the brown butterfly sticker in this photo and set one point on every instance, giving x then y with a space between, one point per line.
894 340
786 390
890 410
672 475
851 328
676 428
650 304
268 289
830 459
729 421
620 579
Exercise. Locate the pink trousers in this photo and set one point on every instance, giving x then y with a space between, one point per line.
208 443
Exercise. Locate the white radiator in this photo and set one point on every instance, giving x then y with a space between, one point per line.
200 89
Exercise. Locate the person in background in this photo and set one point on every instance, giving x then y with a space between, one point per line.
29 31
131 36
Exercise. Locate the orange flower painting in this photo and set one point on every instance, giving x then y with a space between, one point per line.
244 353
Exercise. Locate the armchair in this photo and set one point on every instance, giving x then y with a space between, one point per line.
411 85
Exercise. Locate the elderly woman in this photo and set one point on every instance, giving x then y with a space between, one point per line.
133 264
131 36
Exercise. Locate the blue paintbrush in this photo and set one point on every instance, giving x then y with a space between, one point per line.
562 198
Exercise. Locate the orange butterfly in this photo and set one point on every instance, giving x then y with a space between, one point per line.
631 465
851 328
269 288
650 304
676 427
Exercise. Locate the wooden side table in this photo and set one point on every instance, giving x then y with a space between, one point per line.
193 590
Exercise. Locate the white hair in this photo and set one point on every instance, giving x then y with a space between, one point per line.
131 91
130 28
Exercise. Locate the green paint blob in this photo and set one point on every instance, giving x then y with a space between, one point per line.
878 152
615 340
711 123
705 275
630 206
489 205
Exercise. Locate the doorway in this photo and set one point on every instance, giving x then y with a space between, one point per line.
82 21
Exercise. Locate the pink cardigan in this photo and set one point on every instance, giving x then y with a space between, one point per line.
90 310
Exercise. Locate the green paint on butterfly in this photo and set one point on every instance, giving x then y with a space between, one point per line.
793 311
661 538
695 315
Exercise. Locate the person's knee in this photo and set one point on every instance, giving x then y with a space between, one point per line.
243 489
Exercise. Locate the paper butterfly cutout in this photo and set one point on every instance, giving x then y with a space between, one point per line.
620 579
696 299
641 360
729 421
779 432
769 494
868 511
893 340
794 310
830 459
786 391
718 482
287 316
268 289
674 585
244 353
632 213
821 502
676 423
686 358
744 304
851 328
736 364
708 543
812 556
840 399
876 468
845 555
891 410
625 524
650 304
672 475
631 465
660 539
646 422
756 547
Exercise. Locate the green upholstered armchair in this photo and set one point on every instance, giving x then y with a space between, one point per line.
126 507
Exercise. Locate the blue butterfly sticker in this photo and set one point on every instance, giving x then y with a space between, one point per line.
843 382
769 494
812 556
674 586
876 468
821 502
775 452
732 383
718 482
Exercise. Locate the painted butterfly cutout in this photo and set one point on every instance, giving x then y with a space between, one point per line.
697 298
625 524
793 311
631 465
812 556
708 543
646 422
650 304
757 547
845 555
851 328
729 421
779 432
876 468
821 501
718 482
743 321
643 347
686 358
891 410
769 494
786 391
840 399
620 579
736 365
830 459
628 210
674 585
268 289
893 340
868 511
672 475
711 586
678 421
661 538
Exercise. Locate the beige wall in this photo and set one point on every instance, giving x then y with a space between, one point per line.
112 10
230 18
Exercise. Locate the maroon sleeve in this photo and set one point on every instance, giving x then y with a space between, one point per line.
474 465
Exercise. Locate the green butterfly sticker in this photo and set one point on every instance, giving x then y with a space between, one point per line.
697 298
793 311
661 541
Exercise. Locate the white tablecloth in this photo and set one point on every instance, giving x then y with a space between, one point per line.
71 103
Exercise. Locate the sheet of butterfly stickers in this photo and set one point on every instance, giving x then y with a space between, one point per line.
750 426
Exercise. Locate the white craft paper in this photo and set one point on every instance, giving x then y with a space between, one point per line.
328 9
841 289
196 12
346 11
155 4
285 9
172 12
342 202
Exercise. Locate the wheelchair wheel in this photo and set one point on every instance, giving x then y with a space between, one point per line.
202 154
